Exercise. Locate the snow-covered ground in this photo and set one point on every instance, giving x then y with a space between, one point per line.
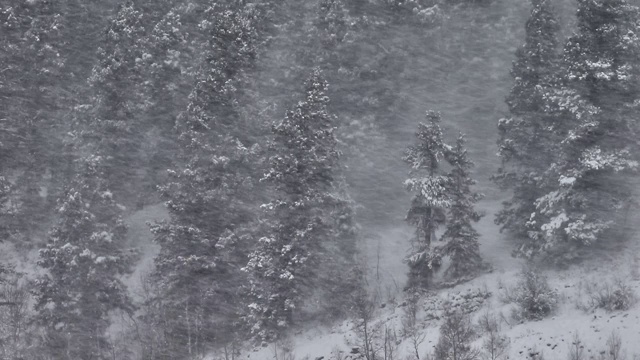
551 336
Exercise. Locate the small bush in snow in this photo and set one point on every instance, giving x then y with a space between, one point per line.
533 295
618 296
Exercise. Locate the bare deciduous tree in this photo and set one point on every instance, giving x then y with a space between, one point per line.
456 335
494 345
410 324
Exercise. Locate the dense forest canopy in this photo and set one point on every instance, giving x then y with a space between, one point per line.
186 178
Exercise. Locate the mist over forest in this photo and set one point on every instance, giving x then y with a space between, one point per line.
336 179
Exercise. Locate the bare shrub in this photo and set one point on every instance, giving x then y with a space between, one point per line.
456 335
389 344
283 350
337 354
494 345
363 306
410 324
427 356
375 340
576 348
611 296
614 347
18 338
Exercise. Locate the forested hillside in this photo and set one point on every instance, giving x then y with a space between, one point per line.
197 179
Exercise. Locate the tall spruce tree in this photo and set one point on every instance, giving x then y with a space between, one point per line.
460 238
169 65
31 64
527 140
430 201
112 117
308 218
85 254
592 178
84 261
210 192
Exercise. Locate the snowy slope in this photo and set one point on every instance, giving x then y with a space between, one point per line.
551 336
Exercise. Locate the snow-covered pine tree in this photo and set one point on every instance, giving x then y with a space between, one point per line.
112 117
430 201
210 194
84 257
601 56
84 262
31 65
168 66
332 22
305 220
29 60
8 228
460 238
526 144
592 178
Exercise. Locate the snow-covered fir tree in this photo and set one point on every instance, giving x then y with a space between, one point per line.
592 192
168 65
305 221
8 228
527 140
84 261
29 143
460 237
112 117
332 22
428 183
85 256
210 193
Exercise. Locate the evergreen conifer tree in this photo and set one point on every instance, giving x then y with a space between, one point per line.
85 259
528 137
332 22
591 191
210 192
112 118
306 222
31 65
460 238
168 65
85 256
430 201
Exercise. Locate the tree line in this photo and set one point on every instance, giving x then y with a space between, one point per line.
261 231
